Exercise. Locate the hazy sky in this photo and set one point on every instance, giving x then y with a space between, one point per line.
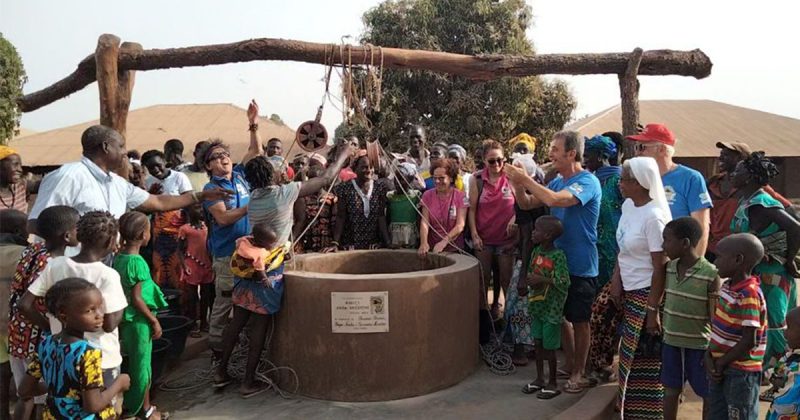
753 47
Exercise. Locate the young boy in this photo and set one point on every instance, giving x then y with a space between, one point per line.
692 288
738 331
97 233
786 386
58 227
13 239
548 279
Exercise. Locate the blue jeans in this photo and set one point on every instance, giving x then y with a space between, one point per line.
736 397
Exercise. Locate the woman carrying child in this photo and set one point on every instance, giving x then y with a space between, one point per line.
139 325
68 365
639 275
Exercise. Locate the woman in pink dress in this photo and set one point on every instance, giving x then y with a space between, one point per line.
444 211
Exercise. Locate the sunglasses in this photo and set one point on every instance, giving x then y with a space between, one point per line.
640 147
218 155
496 161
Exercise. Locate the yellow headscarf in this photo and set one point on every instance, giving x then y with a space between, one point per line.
6 151
525 138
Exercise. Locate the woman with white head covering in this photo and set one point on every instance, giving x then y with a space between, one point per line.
640 276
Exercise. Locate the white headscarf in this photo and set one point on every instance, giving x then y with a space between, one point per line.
645 170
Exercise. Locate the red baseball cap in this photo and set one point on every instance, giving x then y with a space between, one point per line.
658 133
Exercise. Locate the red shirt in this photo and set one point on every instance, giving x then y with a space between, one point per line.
198 263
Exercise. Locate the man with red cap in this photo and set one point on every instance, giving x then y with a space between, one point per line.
685 187
723 194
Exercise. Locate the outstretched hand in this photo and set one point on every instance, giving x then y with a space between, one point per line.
514 173
252 111
216 193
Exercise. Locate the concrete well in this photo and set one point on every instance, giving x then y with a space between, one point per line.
432 337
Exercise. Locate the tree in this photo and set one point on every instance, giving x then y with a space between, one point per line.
276 119
12 77
454 109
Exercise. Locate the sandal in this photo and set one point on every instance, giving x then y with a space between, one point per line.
222 383
256 391
572 388
562 374
587 382
548 394
153 410
532 388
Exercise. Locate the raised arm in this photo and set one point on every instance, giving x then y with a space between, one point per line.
315 184
254 149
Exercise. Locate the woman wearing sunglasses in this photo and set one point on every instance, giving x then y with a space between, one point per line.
491 212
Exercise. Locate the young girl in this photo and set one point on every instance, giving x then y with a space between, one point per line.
257 266
197 271
139 326
69 365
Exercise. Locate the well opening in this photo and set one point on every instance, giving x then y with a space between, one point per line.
372 262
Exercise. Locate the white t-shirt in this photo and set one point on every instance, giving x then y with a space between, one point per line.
107 280
176 183
638 234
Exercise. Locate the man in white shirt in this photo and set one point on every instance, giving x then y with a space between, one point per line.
90 184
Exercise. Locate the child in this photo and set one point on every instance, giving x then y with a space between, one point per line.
197 271
403 203
97 233
692 287
12 242
139 326
786 404
548 279
58 226
738 331
257 266
69 365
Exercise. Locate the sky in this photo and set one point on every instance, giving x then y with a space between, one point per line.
752 46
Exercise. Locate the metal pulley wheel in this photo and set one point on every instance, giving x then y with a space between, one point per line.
312 135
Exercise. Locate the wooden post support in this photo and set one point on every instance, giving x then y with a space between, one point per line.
629 95
125 80
106 56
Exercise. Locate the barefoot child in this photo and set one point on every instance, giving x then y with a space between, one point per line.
692 288
785 384
197 272
69 365
548 280
139 327
97 233
58 225
738 331
257 266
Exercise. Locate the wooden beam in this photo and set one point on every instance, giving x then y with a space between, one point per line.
483 67
106 68
629 95
125 81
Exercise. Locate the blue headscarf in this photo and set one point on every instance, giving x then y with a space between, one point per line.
607 148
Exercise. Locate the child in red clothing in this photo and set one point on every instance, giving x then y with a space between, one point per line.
197 274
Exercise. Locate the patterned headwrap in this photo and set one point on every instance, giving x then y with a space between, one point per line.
602 145
6 151
525 138
761 168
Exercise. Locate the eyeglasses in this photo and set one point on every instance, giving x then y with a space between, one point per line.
496 161
440 178
641 147
218 155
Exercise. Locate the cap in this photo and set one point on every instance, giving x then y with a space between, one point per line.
658 133
742 148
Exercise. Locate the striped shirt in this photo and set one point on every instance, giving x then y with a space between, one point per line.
686 320
739 306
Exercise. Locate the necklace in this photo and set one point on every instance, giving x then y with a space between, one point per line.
13 198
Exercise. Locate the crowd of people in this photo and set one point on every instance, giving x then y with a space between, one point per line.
595 253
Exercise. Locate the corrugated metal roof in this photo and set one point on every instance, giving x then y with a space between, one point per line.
700 124
150 127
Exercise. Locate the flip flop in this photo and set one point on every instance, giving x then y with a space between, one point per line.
264 388
562 374
548 394
531 388
572 388
588 382
223 383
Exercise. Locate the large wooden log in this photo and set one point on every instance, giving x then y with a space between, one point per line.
125 83
106 69
484 67
629 97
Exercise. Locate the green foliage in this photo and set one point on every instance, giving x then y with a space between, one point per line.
454 109
276 119
12 77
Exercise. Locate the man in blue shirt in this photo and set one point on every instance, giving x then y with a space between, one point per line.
574 198
227 221
685 187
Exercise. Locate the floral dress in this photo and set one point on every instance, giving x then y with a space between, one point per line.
320 234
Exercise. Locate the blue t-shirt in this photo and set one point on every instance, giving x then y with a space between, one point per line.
686 191
223 238
579 240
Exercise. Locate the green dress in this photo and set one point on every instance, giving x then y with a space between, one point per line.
610 212
778 287
135 333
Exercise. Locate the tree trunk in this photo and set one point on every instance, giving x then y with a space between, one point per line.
124 90
629 95
484 67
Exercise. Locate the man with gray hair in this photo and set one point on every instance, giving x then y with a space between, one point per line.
685 187
574 198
